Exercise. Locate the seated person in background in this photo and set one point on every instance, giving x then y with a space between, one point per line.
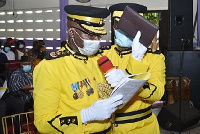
21 80
12 42
2 107
32 53
20 49
41 42
3 57
9 39
6 50
41 54
3 60
2 114
9 105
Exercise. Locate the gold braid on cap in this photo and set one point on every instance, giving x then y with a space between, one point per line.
96 30
99 21
117 14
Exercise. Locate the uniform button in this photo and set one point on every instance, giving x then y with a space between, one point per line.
73 120
62 121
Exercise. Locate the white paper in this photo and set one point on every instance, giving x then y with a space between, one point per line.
129 86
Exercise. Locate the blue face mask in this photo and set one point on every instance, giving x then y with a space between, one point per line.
122 40
26 68
7 49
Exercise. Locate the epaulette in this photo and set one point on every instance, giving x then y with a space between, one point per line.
105 47
153 52
67 51
121 53
57 54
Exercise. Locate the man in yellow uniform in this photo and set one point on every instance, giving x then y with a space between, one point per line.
132 57
65 94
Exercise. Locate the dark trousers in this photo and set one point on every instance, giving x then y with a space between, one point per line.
2 114
14 105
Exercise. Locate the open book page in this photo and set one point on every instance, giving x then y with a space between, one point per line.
128 86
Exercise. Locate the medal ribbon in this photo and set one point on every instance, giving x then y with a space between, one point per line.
74 87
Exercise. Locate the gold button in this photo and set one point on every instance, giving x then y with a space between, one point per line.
62 121
73 120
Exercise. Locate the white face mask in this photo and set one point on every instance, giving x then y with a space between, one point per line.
90 47
21 46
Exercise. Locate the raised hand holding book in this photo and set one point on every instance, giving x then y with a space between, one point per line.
131 22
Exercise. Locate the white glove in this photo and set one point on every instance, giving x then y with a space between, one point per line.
101 109
115 76
138 49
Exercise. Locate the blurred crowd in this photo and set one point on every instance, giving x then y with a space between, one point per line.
16 76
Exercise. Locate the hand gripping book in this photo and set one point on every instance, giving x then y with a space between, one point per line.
129 86
131 22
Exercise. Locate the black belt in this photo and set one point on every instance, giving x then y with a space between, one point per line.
104 131
122 118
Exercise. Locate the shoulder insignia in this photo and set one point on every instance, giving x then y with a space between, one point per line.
121 53
58 54
154 52
69 120
105 47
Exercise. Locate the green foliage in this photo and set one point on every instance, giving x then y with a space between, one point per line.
152 17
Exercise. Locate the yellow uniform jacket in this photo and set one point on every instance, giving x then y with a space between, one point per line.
62 87
136 116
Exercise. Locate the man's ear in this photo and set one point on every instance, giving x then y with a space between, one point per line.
71 32
115 25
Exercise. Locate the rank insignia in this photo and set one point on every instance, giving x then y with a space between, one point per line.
69 120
